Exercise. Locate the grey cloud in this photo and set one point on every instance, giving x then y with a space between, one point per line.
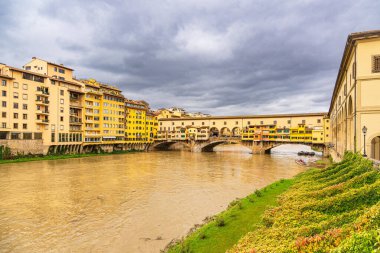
219 57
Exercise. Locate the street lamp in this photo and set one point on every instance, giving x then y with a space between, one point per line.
364 130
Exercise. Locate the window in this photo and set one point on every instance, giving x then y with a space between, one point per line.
213 123
15 85
25 116
37 136
4 114
61 127
4 103
62 71
55 69
4 125
15 105
225 122
274 122
52 127
24 86
62 101
172 123
52 82
61 109
303 121
354 70
262 122
249 123
25 106
15 125
61 92
24 126
61 118
15 94
289 121
318 121
3 82
4 93
15 115
15 136
52 137
25 96
376 64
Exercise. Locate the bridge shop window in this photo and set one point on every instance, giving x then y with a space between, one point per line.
213 123
376 64
225 122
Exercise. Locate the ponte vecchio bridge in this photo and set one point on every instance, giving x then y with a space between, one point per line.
260 133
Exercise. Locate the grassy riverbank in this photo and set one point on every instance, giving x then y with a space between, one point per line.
334 209
228 227
63 156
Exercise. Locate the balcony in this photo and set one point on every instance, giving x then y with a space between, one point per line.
42 93
75 103
75 121
42 112
42 102
43 121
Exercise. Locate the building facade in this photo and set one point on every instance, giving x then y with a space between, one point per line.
44 109
355 102
297 128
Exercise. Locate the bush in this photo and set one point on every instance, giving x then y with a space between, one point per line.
258 193
220 222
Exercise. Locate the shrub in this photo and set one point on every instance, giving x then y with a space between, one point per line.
220 222
258 193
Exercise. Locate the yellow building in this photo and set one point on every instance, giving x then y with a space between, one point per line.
44 109
141 123
92 112
355 103
151 126
113 115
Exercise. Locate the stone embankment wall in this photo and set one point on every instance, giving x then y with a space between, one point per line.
24 147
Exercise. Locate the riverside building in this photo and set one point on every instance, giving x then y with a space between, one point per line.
355 103
44 109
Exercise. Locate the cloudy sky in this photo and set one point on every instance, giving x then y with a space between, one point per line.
222 57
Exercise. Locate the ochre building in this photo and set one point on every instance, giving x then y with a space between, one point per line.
355 103
44 109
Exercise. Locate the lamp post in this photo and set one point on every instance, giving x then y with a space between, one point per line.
364 130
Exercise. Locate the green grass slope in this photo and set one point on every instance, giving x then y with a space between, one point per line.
336 209
224 230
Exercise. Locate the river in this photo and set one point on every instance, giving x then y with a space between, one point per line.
126 203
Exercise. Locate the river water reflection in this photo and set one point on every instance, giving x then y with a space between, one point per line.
125 203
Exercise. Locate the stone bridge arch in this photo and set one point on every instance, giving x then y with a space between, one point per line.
214 132
165 145
225 132
236 132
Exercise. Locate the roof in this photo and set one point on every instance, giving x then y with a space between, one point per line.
27 71
350 45
320 114
52 63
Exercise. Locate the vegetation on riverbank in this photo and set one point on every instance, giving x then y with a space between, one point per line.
336 209
29 158
225 229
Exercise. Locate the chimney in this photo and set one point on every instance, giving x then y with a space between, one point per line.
34 57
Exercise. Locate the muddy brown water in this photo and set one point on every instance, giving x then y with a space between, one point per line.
126 203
